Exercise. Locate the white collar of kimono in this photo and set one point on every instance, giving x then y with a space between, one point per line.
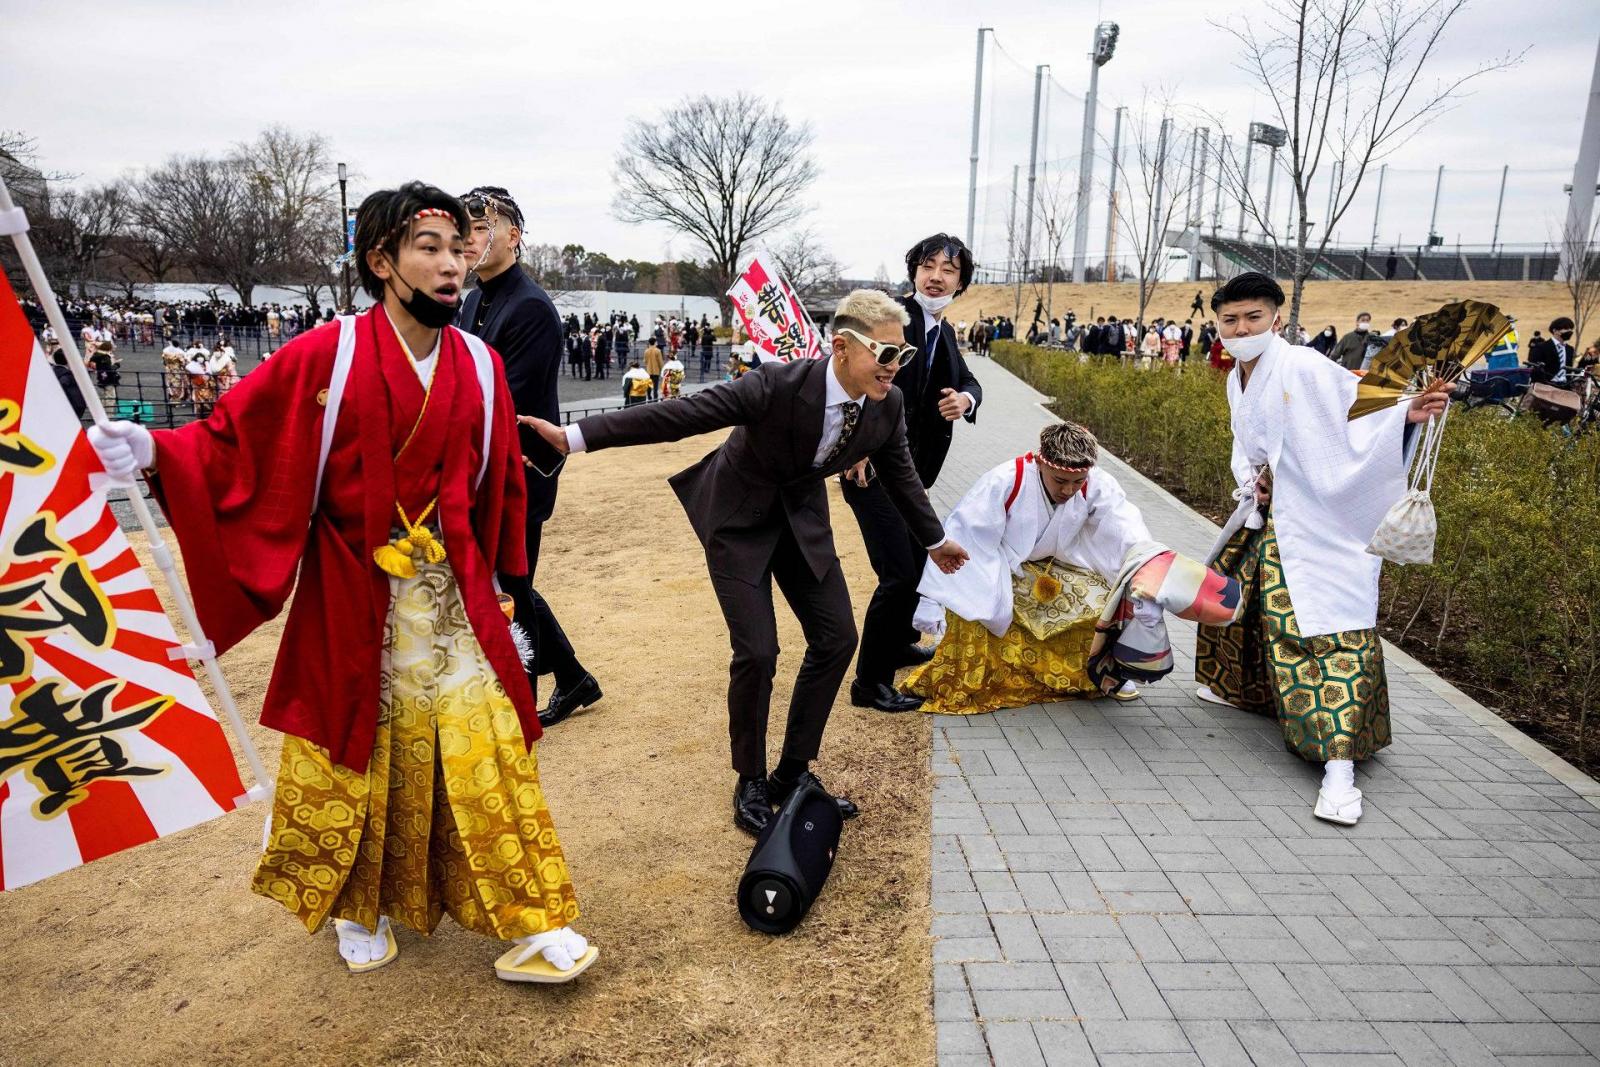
836 391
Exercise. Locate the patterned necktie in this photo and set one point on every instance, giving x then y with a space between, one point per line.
852 414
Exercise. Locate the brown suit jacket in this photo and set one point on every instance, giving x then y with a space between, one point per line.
734 495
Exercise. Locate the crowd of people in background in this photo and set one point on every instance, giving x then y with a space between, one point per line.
151 322
594 345
198 359
1551 359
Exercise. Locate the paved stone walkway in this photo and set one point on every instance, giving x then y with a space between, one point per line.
1144 882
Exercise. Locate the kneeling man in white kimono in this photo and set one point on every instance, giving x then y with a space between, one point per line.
1313 487
1048 537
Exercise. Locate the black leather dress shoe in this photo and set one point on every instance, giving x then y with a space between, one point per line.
752 806
563 702
915 655
882 697
779 792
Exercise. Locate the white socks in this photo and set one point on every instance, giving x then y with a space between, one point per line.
1338 801
358 945
1339 779
561 947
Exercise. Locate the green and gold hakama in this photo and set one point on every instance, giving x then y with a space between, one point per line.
1328 693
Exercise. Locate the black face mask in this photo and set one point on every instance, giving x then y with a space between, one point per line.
434 314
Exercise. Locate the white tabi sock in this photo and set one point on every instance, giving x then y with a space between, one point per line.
1339 779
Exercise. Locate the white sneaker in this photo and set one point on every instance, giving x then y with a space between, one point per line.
1345 811
1206 693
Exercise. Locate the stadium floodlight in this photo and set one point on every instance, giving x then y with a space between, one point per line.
1105 42
1105 45
1272 136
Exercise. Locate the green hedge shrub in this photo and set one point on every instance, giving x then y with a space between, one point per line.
1509 611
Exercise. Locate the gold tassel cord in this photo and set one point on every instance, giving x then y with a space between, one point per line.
398 557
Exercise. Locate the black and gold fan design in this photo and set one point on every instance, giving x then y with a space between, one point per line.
1432 353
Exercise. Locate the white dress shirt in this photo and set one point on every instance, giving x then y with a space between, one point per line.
833 414
930 324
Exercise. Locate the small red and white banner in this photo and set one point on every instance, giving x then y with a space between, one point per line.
106 742
773 316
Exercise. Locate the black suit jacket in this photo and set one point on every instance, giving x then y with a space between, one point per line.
522 324
928 432
738 496
1545 359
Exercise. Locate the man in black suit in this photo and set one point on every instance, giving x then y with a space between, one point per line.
1550 358
759 505
517 319
1091 336
939 390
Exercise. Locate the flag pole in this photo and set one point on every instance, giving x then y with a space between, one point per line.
14 224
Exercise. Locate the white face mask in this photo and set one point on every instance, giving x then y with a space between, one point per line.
1363 327
1246 349
933 304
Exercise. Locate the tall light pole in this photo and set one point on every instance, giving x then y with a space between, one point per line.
1197 190
1216 203
1433 219
1033 164
1274 137
1585 172
344 234
1499 205
972 177
1111 199
1158 216
1377 204
1105 45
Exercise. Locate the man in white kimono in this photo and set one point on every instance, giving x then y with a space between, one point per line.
1048 536
1313 487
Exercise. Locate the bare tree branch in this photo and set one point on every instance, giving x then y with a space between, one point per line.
810 269
1151 184
1347 81
722 170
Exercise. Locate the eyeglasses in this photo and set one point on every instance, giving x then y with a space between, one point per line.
887 354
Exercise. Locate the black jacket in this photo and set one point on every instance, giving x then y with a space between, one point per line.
739 496
523 326
1546 361
928 432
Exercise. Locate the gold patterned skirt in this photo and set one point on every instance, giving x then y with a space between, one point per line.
448 817
1329 693
1042 656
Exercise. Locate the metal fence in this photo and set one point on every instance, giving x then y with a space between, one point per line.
162 401
1214 256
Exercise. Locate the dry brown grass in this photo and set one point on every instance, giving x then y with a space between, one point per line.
164 955
1533 304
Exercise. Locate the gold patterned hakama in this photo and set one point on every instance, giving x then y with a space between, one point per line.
1043 655
448 817
1328 693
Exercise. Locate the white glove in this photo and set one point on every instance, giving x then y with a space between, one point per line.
929 618
124 448
1148 611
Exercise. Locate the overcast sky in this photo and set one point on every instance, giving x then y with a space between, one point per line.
536 96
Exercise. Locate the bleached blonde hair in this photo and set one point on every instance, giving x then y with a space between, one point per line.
862 309
1066 444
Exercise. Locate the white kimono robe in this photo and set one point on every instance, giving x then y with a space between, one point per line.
1333 480
1093 530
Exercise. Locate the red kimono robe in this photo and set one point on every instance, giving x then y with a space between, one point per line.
237 489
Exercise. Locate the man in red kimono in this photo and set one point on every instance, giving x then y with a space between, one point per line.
377 458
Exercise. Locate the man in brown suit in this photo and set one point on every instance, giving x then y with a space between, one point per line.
759 506
652 366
